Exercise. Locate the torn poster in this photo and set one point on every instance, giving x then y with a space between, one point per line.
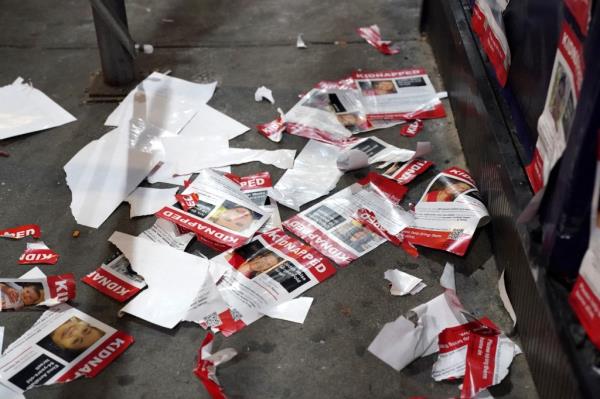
38 253
554 125
331 227
373 36
415 335
488 361
478 351
25 109
170 102
169 273
402 283
222 217
585 295
488 24
19 232
26 293
331 115
64 344
270 270
263 93
399 95
115 277
206 367
448 213
103 173
273 130
259 189
319 167
147 201
412 128
404 173
300 41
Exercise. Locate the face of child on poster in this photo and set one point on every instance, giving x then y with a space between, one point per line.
234 217
446 190
28 295
378 87
71 338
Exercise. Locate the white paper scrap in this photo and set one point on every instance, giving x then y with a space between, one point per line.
171 102
315 174
263 93
173 277
300 41
403 283
102 174
25 109
147 201
402 341
208 122
294 310
191 157
505 299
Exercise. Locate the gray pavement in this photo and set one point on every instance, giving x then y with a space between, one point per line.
243 45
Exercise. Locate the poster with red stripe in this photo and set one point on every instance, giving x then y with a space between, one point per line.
223 216
448 213
488 24
115 277
555 122
398 95
64 344
332 228
271 269
28 293
585 296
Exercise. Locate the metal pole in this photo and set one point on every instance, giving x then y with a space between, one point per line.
117 49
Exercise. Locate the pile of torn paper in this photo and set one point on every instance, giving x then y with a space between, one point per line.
164 132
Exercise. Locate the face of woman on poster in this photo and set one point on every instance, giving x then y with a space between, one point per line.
237 219
384 87
76 335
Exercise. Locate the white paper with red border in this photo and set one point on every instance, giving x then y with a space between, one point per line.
446 218
398 95
244 296
25 364
116 279
56 289
488 24
215 194
331 227
585 295
559 109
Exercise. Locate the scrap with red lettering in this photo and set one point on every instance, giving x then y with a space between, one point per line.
63 345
